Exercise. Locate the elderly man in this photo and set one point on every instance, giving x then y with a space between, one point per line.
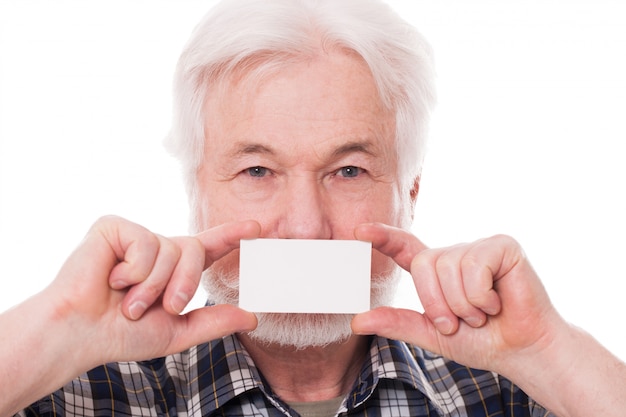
299 119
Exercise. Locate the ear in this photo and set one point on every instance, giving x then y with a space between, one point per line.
414 190
413 195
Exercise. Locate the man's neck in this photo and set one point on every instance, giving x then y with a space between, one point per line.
311 374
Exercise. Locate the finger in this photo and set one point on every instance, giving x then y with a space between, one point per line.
424 272
186 276
134 247
142 295
398 244
478 279
452 280
222 239
210 323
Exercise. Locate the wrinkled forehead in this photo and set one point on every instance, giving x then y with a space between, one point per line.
333 92
257 68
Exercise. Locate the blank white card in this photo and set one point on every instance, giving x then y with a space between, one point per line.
304 276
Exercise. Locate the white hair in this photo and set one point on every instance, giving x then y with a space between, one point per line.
255 38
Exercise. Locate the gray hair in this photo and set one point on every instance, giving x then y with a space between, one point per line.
255 38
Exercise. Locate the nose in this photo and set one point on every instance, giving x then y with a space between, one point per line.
304 212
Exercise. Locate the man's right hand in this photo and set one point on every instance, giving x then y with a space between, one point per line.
118 297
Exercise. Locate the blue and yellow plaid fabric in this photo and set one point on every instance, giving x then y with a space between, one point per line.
220 379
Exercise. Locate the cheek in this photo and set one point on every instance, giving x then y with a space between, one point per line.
380 204
215 206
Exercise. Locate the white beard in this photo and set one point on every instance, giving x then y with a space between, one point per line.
298 330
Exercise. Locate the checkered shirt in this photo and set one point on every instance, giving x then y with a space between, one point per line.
220 379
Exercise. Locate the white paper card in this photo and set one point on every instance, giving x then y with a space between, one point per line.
304 276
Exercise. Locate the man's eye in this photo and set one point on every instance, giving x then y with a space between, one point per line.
257 171
350 171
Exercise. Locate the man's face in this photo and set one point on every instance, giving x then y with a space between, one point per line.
309 154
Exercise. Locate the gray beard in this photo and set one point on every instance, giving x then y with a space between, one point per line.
298 331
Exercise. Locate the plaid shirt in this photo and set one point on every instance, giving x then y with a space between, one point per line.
220 379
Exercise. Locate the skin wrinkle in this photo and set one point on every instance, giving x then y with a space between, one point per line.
245 151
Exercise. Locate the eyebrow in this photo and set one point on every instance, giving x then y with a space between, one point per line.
247 148
353 147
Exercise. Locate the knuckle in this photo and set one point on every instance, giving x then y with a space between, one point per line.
422 261
152 290
471 263
108 219
505 240
103 223
460 307
169 249
477 299
447 265
189 244
474 271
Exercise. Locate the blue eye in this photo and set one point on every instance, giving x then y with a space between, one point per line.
258 172
350 171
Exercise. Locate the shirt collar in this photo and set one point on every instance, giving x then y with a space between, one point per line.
225 365
230 363
393 360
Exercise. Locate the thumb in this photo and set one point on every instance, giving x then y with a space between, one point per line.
210 323
399 324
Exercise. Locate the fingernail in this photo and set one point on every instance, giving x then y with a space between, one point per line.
492 310
475 321
180 301
443 324
118 285
136 309
252 324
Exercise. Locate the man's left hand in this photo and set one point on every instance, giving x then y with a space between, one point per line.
483 303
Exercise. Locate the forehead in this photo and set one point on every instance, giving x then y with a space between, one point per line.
317 99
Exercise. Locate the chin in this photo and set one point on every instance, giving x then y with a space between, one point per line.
298 331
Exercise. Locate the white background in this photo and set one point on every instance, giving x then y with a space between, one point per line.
527 138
